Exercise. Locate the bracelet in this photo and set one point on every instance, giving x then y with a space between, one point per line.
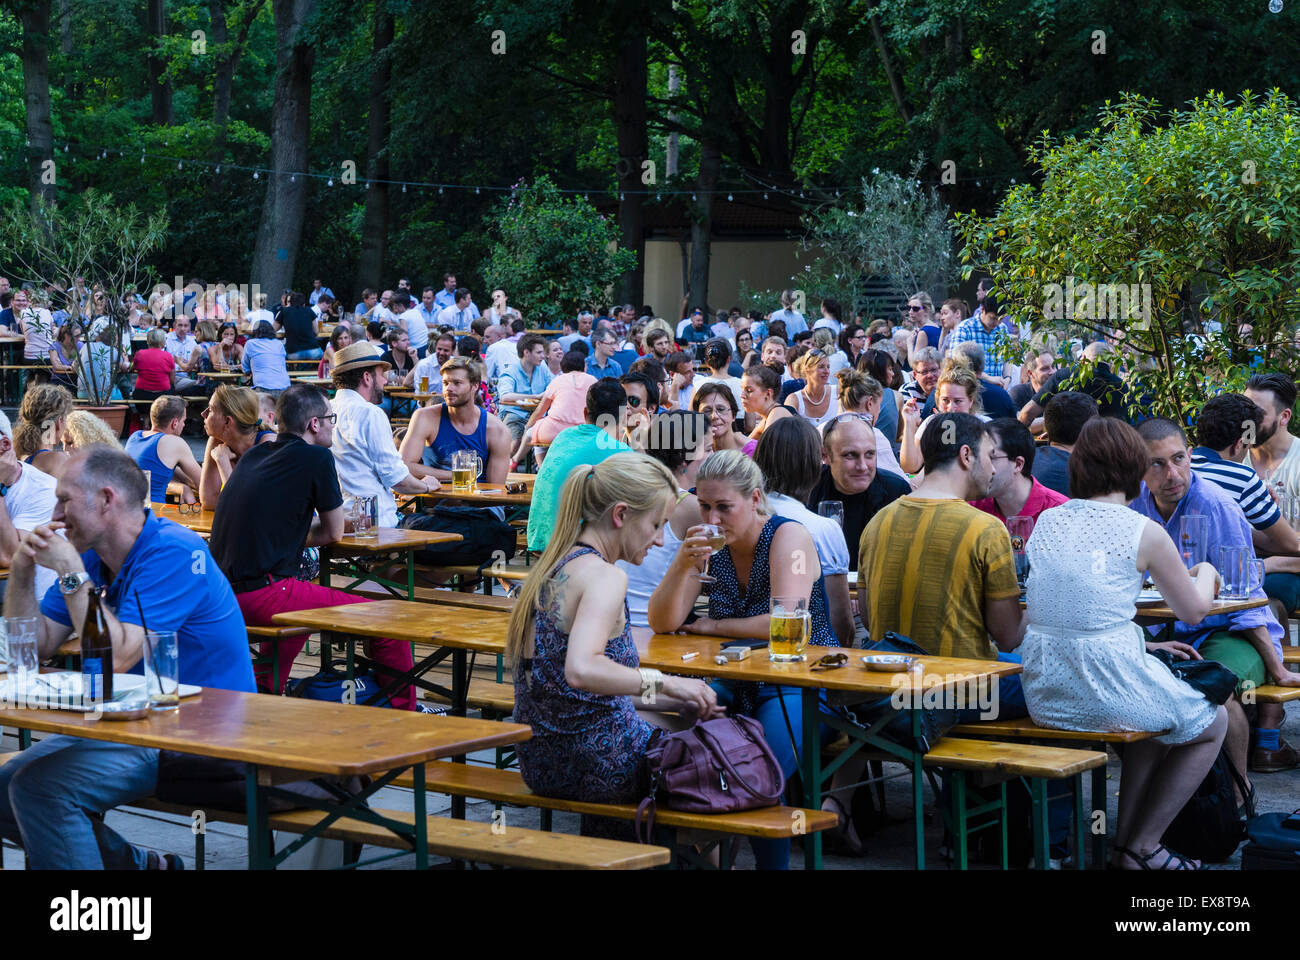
652 681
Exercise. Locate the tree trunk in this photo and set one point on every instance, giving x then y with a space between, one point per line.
887 63
160 89
226 61
36 91
674 87
702 225
630 77
280 230
65 27
374 225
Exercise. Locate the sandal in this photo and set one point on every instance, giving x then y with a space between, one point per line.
838 841
1183 863
1247 809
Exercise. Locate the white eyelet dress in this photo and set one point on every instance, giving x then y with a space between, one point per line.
1085 664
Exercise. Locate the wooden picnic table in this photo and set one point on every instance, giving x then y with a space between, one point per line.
311 737
853 682
336 556
314 381
200 522
484 495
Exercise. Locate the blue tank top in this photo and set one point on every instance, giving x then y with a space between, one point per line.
449 440
144 451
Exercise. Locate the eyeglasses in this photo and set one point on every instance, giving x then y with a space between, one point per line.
633 401
331 417
832 661
915 308
866 418
188 509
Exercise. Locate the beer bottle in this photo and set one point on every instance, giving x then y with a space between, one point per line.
96 651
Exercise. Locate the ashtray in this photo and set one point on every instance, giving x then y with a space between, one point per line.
888 662
124 709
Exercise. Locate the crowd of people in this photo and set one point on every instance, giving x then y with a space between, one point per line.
891 455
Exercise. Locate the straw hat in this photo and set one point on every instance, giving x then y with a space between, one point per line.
356 356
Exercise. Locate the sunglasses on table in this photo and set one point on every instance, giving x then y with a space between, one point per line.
832 661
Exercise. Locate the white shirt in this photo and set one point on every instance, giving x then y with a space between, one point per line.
828 323
642 578
182 350
364 454
30 503
828 536
417 331
502 354
428 367
458 320
257 316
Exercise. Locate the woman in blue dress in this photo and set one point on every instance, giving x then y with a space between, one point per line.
577 679
765 556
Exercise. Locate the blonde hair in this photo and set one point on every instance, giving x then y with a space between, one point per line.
738 471
856 388
924 298
955 371
207 331
658 323
41 408
83 429
588 495
824 339
239 403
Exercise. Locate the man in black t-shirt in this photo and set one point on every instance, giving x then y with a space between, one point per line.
298 321
284 496
1103 386
849 475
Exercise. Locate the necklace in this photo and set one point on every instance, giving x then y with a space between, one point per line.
818 402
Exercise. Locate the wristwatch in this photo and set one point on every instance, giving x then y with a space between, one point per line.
70 583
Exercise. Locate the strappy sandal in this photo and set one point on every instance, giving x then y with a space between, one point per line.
838 841
1184 863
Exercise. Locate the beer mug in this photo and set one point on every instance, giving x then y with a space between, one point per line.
365 517
465 468
1020 529
1241 573
424 385
789 624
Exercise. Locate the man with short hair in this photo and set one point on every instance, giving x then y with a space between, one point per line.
682 369
504 353
850 475
446 297
362 443
410 320
1065 416
658 344
603 365
300 328
431 365
28 496
1013 491
369 300
428 311
258 540
527 378
163 453
318 290
581 331
180 343
1102 385
1247 642
1274 453
983 329
933 568
589 443
926 367
458 315
1041 366
695 332
54 794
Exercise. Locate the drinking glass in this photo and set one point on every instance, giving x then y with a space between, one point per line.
833 509
1192 532
465 468
20 650
162 669
716 542
789 624
148 488
1020 528
365 517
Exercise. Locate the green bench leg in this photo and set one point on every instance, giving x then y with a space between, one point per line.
1079 825
1097 794
959 818
1038 800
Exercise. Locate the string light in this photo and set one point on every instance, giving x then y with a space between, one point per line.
330 183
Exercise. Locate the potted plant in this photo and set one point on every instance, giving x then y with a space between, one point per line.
89 253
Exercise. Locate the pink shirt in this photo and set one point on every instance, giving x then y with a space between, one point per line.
154 367
568 393
1040 498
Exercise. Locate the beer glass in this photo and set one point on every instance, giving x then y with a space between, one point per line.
789 624
716 542
1192 532
20 650
1020 528
833 509
1241 573
465 468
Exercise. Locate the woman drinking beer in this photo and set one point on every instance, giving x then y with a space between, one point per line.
757 563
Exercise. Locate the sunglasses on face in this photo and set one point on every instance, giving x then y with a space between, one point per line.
915 307
634 402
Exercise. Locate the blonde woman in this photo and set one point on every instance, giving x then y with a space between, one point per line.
817 402
42 421
83 429
958 391
729 489
569 639
232 421
208 308
236 309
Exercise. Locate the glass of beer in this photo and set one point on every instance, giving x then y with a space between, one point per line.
465 468
788 628
424 385
716 542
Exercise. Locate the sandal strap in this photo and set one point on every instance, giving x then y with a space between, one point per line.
1170 857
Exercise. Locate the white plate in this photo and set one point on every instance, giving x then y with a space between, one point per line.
62 691
1150 597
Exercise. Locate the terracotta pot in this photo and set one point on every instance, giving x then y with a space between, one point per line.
114 417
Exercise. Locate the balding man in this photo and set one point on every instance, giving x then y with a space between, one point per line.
1103 386
53 796
849 475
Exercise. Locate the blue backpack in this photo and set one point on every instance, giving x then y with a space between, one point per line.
333 686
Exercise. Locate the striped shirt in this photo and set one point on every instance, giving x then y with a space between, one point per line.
1242 483
930 566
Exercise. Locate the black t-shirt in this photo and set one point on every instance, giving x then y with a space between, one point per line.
266 508
1021 394
997 402
298 334
859 508
1103 386
391 359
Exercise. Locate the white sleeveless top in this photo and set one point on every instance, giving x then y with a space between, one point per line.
832 408
642 580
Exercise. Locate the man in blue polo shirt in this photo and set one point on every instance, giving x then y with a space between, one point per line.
53 796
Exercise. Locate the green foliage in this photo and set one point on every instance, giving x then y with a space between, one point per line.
1200 207
553 253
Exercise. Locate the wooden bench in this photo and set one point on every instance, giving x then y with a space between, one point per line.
449 598
259 635
465 575
507 786
456 839
1291 654
1275 693
487 696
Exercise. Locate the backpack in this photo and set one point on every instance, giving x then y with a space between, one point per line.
1209 827
331 685
1271 845
485 538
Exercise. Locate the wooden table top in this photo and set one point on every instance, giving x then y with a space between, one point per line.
411 621
198 522
314 381
390 539
1159 613
486 494
314 736
665 653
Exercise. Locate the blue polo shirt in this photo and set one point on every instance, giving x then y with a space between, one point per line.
600 373
181 588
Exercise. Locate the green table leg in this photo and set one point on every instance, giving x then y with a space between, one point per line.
918 791
959 818
1038 806
1079 827
812 773
410 577
421 823
256 816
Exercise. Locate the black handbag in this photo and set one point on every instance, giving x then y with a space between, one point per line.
1210 677
221 785
1209 826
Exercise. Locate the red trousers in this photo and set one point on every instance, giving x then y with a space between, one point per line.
259 606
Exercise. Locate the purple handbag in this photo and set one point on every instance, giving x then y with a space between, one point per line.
717 766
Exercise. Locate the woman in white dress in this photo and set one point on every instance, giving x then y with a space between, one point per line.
1085 661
